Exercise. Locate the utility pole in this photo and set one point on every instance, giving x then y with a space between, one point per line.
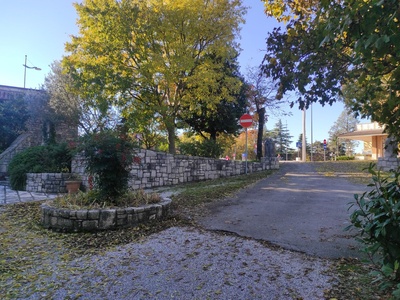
303 149
27 67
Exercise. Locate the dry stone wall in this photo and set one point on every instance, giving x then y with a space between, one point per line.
91 220
46 182
156 169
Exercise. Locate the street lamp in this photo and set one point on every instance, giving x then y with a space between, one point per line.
27 67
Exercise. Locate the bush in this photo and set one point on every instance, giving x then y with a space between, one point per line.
109 156
206 148
40 159
345 158
378 219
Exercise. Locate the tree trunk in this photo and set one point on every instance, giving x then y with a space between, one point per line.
171 139
261 122
213 136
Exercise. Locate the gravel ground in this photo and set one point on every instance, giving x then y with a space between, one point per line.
189 263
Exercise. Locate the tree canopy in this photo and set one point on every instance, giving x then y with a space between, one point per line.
345 123
224 118
329 45
152 54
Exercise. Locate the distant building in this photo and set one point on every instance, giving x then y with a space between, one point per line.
43 124
377 146
373 137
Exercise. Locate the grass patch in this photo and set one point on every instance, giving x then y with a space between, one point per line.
354 171
199 193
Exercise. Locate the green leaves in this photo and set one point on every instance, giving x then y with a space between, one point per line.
329 45
109 156
377 217
135 53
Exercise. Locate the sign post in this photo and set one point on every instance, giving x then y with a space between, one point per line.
298 145
246 121
324 149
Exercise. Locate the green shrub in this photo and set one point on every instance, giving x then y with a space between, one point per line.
345 158
206 148
40 159
377 217
109 157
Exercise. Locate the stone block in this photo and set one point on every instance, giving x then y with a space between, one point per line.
89 225
93 214
107 219
64 224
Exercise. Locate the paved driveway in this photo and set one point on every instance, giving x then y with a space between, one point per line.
296 208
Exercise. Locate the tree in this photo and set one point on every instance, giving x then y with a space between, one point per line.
153 53
261 95
331 44
346 122
281 136
224 119
66 102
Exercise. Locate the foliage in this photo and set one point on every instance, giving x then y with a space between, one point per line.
13 115
40 159
224 118
109 156
261 96
345 123
90 200
328 45
281 136
377 216
204 148
240 146
153 55
62 99
345 158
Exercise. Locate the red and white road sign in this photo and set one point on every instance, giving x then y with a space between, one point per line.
246 120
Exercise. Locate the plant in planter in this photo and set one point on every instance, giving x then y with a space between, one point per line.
109 156
72 181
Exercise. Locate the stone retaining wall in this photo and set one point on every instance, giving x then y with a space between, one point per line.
91 220
46 182
387 164
156 169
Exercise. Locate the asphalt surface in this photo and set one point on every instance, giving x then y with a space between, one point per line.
295 208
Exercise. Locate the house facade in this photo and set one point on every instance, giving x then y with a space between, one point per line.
41 125
377 145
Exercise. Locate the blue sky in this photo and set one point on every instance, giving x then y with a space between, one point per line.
40 28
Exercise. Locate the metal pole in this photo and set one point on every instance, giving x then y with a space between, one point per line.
303 150
246 150
311 157
25 72
286 142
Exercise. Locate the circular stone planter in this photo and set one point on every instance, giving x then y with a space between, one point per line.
67 220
